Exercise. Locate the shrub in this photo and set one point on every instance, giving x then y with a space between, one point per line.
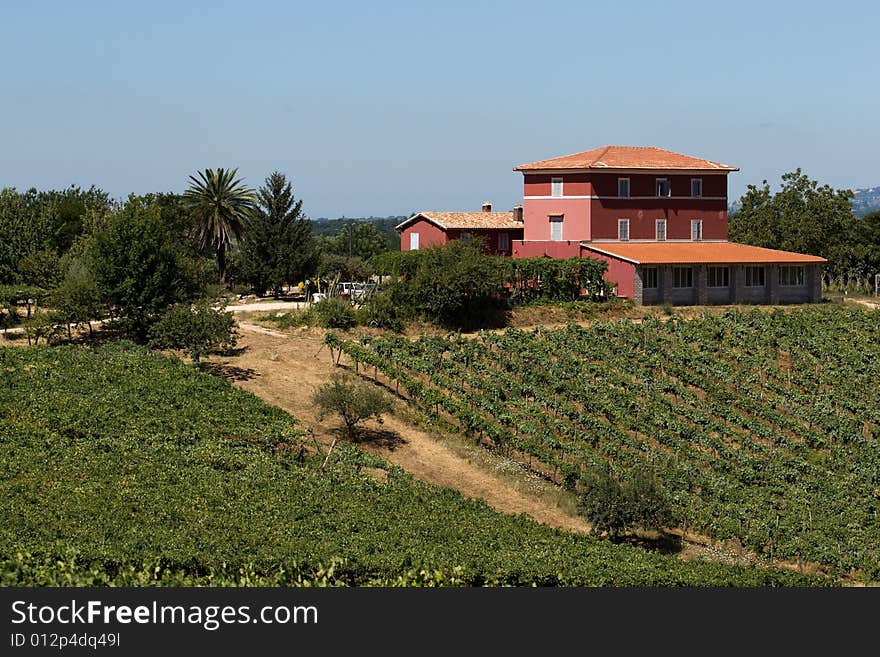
556 279
382 312
335 313
457 286
354 401
616 507
604 503
304 317
198 329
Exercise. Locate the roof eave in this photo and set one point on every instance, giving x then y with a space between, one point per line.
418 215
526 169
611 254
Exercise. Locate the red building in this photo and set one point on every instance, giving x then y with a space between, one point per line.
498 230
658 218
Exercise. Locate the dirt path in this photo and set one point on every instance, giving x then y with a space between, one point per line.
266 306
864 302
284 370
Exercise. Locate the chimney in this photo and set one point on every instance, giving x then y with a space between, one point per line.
487 206
517 213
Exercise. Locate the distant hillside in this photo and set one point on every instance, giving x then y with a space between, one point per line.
865 202
324 227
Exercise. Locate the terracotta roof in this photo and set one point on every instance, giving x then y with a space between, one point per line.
670 253
485 220
626 157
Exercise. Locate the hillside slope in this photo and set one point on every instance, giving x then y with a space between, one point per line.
762 426
121 466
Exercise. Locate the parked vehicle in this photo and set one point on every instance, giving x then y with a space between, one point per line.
355 291
345 289
363 290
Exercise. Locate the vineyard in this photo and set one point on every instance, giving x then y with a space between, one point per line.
123 467
763 426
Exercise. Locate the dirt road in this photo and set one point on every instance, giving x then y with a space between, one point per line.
267 306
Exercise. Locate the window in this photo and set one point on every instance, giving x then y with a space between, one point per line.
649 278
754 277
661 230
623 187
682 277
413 241
696 230
503 242
465 237
556 228
664 187
791 276
696 186
718 277
556 187
623 230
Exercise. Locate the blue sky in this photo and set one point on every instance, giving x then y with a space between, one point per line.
383 108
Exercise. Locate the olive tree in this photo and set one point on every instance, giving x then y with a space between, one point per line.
354 402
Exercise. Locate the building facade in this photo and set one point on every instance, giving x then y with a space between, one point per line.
658 218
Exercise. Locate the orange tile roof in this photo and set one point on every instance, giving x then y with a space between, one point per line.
686 253
486 220
626 157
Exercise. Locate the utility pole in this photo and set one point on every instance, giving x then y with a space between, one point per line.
350 224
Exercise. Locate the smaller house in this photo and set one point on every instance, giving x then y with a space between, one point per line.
497 229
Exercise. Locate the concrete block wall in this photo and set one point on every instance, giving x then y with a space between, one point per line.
638 286
701 294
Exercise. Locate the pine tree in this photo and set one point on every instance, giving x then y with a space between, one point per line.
278 247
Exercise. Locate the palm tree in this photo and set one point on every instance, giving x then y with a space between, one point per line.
221 205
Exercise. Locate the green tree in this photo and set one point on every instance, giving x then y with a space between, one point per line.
342 268
38 228
278 246
70 212
352 400
869 238
221 205
76 300
360 239
604 503
649 502
41 325
616 507
23 231
41 268
199 329
140 265
458 286
803 217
